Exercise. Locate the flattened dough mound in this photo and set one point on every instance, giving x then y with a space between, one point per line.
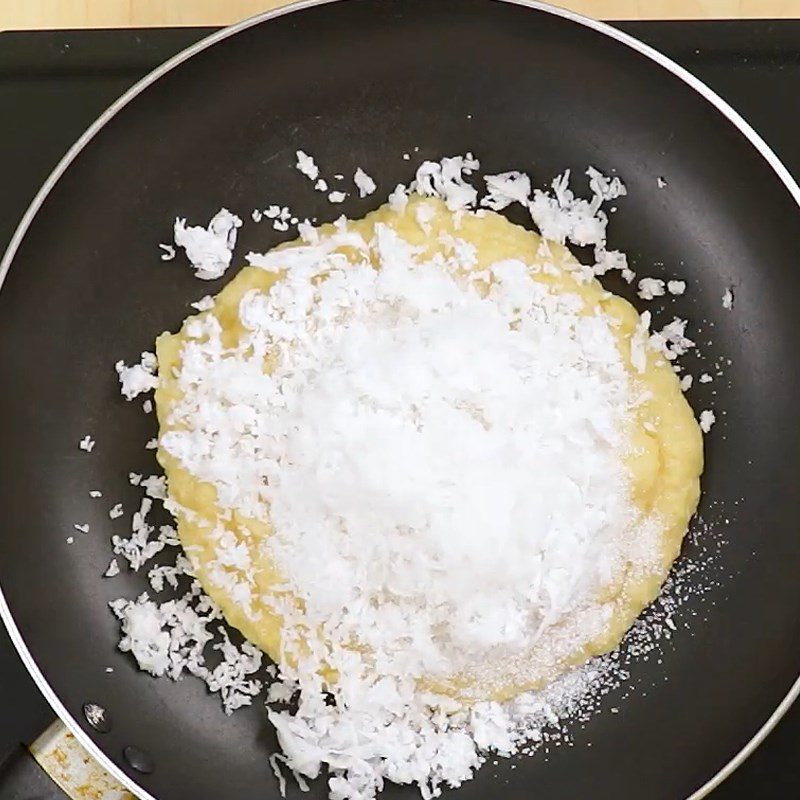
665 465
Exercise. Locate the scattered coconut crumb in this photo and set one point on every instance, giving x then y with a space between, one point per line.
661 182
256 215
676 287
139 378
705 378
147 406
204 303
169 252
686 382
151 444
727 299
671 341
447 179
87 443
707 419
366 186
650 288
306 165
506 188
112 569
116 512
170 639
81 528
139 547
134 478
398 199
337 197
95 493
70 539
209 250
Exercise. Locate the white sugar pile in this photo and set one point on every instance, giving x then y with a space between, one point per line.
414 448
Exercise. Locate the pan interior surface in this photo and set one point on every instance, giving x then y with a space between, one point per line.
359 84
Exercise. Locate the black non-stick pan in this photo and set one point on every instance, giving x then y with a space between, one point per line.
358 83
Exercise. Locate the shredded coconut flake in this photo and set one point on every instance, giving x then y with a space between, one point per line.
365 185
727 299
506 188
306 165
707 419
204 303
139 378
209 250
650 288
87 443
676 287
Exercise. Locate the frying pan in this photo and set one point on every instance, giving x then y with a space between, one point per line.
358 83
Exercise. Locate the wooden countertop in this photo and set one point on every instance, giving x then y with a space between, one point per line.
33 14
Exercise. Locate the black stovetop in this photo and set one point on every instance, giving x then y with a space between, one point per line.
53 84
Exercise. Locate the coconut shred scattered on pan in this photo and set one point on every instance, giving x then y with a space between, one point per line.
366 733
